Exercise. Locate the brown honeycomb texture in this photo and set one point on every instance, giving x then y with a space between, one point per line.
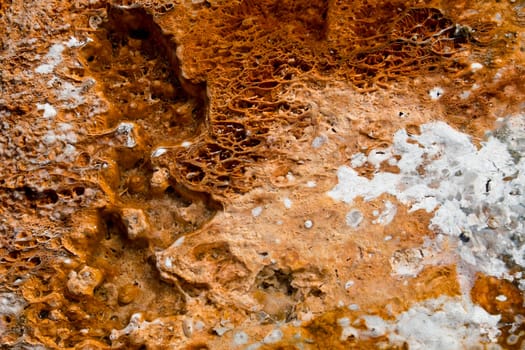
147 148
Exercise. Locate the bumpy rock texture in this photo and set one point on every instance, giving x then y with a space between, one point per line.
274 174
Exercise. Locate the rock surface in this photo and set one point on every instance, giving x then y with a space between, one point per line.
262 174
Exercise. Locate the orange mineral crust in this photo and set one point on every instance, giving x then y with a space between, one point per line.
272 174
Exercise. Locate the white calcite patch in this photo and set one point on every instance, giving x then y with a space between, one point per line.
240 338
377 327
470 191
49 111
254 346
436 93
287 202
353 307
387 215
67 154
168 263
158 152
354 218
179 241
347 330
223 327
444 323
349 284
501 298
74 42
11 304
51 59
138 326
273 337
257 211
311 184
475 66
126 129
377 156
70 94
410 261
358 160
464 95
319 141
435 324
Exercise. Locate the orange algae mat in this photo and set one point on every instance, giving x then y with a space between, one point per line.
262 174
